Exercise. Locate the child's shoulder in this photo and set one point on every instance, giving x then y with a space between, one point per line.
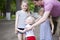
18 12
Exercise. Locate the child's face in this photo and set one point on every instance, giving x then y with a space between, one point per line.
24 6
28 21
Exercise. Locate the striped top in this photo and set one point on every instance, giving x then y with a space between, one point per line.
22 15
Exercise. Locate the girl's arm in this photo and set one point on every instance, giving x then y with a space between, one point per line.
52 25
16 22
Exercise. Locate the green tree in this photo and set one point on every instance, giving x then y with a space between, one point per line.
13 6
18 3
31 5
8 9
2 6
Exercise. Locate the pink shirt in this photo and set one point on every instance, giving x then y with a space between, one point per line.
53 6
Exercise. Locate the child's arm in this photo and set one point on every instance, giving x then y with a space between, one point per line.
27 26
52 25
16 22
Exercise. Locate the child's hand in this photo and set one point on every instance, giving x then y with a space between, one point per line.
20 30
16 31
52 31
24 31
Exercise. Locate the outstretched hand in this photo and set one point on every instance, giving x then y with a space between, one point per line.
28 28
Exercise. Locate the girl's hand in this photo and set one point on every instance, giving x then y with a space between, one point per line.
16 31
52 31
24 31
20 30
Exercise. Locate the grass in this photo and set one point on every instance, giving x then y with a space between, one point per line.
13 17
1 17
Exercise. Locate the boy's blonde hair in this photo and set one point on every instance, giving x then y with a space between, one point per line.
31 19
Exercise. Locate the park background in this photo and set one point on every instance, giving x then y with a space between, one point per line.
8 10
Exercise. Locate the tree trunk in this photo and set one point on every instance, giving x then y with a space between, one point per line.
0 13
8 10
18 4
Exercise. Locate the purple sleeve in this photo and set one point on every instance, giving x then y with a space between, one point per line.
48 6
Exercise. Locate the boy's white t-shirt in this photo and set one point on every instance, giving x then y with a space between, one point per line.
30 32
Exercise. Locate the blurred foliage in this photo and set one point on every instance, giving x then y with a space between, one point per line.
1 17
13 5
13 17
2 5
31 5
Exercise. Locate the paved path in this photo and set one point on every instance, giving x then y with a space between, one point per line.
7 31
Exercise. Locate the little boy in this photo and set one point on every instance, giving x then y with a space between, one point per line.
30 34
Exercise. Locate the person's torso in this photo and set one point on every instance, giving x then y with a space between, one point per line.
30 32
21 19
55 12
